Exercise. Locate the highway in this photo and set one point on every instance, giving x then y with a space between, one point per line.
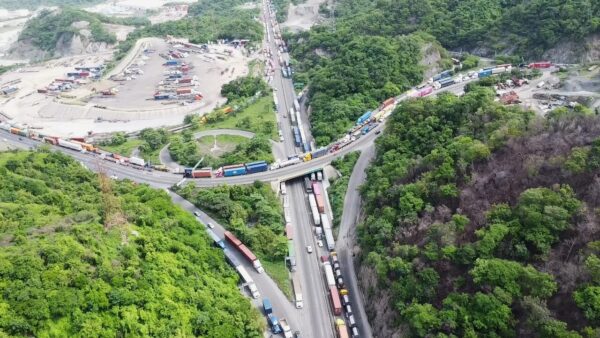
346 239
315 318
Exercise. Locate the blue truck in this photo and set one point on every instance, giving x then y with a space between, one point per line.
218 242
267 307
256 167
446 82
274 323
319 152
484 73
364 118
297 139
172 62
442 75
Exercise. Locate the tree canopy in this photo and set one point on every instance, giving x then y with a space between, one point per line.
63 272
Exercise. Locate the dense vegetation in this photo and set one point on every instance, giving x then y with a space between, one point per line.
34 4
523 27
45 30
253 213
244 87
337 190
351 71
467 240
81 261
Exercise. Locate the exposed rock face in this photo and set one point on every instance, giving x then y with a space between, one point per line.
431 58
576 52
68 44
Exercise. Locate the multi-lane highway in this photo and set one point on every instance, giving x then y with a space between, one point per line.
315 317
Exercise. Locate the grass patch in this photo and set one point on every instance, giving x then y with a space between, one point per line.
258 117
280 274
124 149
337 189
225 143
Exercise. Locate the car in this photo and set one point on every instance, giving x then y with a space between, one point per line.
197 213
210 225
114 177
320 243
378 132
309 249
297 334
281 138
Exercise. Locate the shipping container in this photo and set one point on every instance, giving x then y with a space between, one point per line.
186 90
267 307
70 145
202 173
316 187
256 167
424 92
329 277
387 103
248 281
234 171
363 118
484 73
297 291
335 300
232 239
137 161
541 64
314 209
342 331
288 231
319 152
320 203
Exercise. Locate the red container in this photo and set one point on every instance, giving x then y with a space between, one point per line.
247 253
185 80
232 239
202 173
387 102
288 231
185 90
335 300
542 64
320 203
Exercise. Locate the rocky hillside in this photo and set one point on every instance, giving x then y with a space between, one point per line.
68 31
481 221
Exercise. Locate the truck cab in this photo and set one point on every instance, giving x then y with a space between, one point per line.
274 323
267 307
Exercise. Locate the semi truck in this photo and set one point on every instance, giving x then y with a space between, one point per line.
234 170
199 173
297 292
291 256
329 278
314 210
327 232
336 304
248 281
137 161
363 118
244 251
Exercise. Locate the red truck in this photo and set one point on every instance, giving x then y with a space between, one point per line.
335 300
541 64
186 90
202 173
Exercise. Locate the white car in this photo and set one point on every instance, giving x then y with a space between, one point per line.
309 249
320 243
196 213
210 225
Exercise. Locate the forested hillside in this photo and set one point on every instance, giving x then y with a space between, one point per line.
522 27
480 221
77 262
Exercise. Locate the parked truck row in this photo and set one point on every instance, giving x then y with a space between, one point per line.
243 249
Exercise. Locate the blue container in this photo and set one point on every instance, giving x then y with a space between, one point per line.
161 97
172 62
235 171
364 117
446 82
267 307
319 152
256 167
484 73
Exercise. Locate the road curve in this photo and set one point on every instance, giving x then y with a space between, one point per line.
346 239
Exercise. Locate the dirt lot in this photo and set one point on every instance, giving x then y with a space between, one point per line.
303 16
129 110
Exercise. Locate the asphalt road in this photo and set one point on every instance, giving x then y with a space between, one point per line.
347 239
267 288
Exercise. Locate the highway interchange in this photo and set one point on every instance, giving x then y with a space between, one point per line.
315 319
